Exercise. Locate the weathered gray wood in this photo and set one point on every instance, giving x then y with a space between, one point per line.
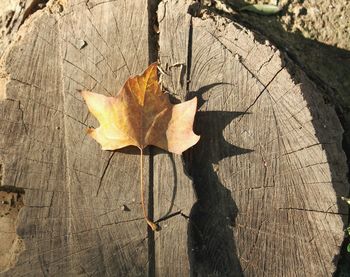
269 168
13 14
267 172
174 194
67 229
10 242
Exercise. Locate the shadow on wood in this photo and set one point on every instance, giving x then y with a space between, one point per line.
264 212
329 67
211 245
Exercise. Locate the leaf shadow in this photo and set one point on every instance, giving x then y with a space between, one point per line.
211 245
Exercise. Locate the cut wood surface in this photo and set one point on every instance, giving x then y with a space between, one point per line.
13 13
257 196
67 228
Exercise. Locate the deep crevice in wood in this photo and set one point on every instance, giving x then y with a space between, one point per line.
153 56
34 7
104 172
189 57
344 255
169 216
242 62
150 232
123 221
313 211
262 91
153 36
7 188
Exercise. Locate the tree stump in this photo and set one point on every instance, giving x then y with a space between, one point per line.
257 196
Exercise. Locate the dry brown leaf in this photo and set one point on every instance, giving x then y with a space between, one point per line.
142 115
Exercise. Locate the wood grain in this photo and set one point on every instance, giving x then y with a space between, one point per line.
269 169
258 196
68 229
13 14
173 190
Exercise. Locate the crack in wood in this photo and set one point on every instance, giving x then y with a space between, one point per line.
34 6
98 49
307 147
254 244
81 69
9 188
122 221
25 83
314 211
22 117
104 172
84 270
121 248
164 14
189 57
22 114
90 6
261 92
265 86
241 62
266 62
172 215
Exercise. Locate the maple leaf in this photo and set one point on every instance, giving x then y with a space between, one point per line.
142 115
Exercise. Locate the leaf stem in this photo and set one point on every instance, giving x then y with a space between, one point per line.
151 224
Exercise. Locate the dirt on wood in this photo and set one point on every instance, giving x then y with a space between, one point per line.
10 243
316 34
